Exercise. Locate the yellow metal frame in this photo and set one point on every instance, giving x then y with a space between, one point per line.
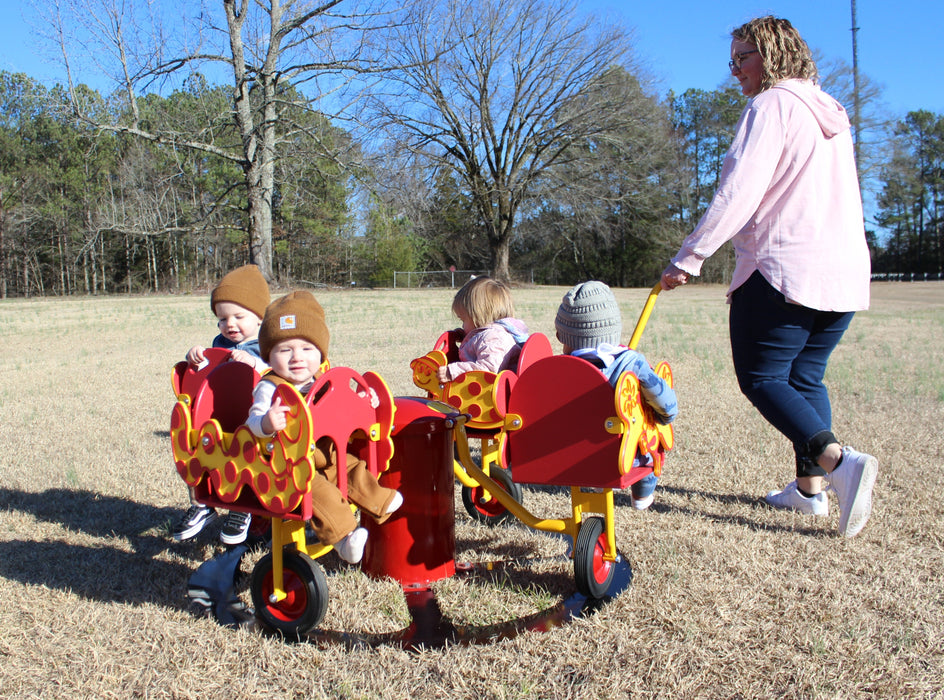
490 457
582 500
477 408
286 532
630 421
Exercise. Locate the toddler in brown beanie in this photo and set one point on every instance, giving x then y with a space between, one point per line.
294 339
238 302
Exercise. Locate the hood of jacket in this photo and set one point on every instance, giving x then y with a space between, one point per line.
830 115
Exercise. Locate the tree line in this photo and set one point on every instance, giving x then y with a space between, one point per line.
337 143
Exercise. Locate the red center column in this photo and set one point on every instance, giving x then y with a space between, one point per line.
417 544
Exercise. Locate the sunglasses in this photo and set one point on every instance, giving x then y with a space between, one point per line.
735 63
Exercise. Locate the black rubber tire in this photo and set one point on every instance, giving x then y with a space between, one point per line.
592 573
491 512
307 601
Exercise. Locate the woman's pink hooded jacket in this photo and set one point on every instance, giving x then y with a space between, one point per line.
789 201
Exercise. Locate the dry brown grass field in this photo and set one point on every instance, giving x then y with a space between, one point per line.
730 599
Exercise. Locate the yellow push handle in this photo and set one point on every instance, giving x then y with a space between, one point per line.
644 316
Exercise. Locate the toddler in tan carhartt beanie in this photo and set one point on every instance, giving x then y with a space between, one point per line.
296 315
244 286
294 323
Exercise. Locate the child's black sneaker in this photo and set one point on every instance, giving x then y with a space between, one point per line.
235 527
193 522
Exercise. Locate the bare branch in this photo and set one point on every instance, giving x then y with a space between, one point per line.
497 90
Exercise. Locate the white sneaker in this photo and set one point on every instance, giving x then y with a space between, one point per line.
351 547
395 502
643 503
853 481
789 498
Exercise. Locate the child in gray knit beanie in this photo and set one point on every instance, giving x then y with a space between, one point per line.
588 316
590 326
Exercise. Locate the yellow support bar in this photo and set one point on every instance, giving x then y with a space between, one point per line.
595 502
278 580
284 532
502 496
490 457
644 316
464 478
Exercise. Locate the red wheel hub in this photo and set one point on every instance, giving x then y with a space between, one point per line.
295 602
601 567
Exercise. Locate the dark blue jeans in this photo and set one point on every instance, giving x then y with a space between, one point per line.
780 351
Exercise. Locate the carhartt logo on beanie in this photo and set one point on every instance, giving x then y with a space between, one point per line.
244 286
296 315
588 316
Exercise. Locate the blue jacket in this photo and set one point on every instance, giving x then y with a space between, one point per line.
613 360
250 346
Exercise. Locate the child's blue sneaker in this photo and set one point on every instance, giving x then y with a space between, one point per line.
644 492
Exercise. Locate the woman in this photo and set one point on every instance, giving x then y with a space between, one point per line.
789 201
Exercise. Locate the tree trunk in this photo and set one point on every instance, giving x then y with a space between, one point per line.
260 181
257 145
503 225
101 262
128 262
3 254
500 269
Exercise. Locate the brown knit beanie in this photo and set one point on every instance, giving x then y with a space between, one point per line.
296 315
244 286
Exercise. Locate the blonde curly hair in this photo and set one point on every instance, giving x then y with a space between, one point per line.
484 300
783 52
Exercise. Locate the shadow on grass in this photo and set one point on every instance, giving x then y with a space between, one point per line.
429 628
214 588
623 500
756 503
128 572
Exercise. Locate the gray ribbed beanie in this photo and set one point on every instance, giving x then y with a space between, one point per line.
589 315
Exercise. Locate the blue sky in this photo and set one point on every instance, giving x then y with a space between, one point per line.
684 43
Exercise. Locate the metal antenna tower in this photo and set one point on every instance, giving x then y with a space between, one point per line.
855 89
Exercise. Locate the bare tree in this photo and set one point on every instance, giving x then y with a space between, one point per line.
872 122
263 48
496 91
